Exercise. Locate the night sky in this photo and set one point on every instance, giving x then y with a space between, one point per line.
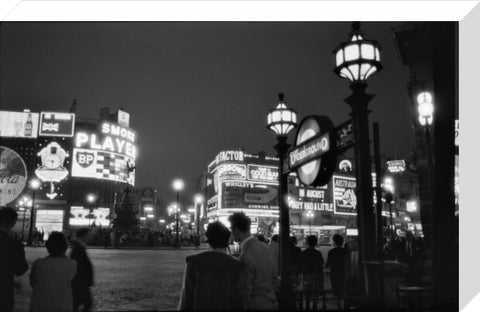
194 89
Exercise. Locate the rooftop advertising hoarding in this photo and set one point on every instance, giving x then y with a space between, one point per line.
108 154
13 175
56 124
18 124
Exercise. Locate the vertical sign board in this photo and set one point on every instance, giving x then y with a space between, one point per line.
56 124
18 124
344 198
13 175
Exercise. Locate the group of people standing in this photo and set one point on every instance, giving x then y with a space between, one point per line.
59 283
215 280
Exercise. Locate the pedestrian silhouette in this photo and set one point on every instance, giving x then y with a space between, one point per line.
211 280
295 252
12 258
311 268
258 279
336 260
83 279
51 277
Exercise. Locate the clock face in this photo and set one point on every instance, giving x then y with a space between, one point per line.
53 161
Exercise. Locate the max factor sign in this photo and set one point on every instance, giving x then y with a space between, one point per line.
313 148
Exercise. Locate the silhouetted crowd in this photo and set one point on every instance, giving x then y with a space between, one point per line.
218 279
59 283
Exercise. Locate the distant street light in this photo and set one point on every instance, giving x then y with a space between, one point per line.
282 120
425 118
198 202
91 200
178 186
34 186
310 214
24 203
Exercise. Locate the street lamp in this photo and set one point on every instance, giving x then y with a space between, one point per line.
282 120
425 118
198 201
91 199
357 60
24 203
178 185
34 185
310 214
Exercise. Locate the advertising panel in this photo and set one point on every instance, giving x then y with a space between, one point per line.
13 175
262 173
344 198
312 198
81 216
109 154
249 195
123 118
48 221
56 124
18 124
88 163
232 172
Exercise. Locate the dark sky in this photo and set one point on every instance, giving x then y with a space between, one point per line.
193 89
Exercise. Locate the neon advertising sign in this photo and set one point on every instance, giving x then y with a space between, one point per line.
115 139
106 155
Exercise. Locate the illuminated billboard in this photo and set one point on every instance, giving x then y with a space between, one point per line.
13 175
344 198
262 173
49 220
89 163
18 124
56 124
248 195
232 172
108 154
311 198
81 216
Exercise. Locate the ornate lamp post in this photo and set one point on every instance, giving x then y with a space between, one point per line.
34 185
425 118
178 186
282 120
357 60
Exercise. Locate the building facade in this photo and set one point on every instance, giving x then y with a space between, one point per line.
83 166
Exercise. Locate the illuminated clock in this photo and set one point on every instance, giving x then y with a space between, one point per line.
53 161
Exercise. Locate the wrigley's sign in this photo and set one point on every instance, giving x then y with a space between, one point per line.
312 148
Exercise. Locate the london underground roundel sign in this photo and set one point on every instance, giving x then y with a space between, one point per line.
314 156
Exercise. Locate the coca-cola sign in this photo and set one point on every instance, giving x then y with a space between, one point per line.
13 175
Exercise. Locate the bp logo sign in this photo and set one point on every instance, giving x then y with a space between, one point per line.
314 155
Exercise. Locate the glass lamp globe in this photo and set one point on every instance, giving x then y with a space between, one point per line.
357 59
281 120
178 185
425 108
